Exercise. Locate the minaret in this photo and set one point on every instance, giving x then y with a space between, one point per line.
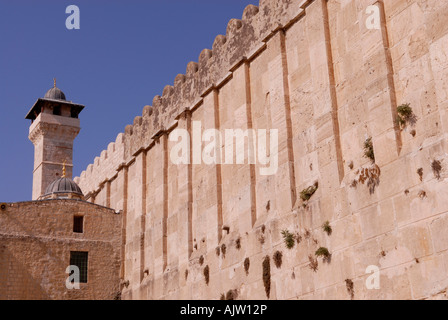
54 126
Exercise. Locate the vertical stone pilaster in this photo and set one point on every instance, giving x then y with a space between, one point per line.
281 120
164 142
218 168
253 175
185 195
108 193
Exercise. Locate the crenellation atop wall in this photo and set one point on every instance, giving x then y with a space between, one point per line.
250 11
243 38
103 168
301 67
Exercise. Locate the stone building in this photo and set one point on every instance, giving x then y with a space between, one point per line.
40 239
330 76
356 92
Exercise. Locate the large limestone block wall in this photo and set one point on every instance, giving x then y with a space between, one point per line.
314 71
36 238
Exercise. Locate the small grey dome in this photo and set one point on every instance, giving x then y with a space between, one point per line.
63 185
55 94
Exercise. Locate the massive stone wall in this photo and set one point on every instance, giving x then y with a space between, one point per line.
314 71
35 243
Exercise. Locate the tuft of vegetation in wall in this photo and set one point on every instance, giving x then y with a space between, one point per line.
288 237
231 295
247 265
368 150
323 252
207 274
350 288
436 167
266 266
307 193
223 250
278 259
420 173
238 243
371 176
405 116
313 263
327 228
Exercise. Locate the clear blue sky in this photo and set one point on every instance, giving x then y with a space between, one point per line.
123 55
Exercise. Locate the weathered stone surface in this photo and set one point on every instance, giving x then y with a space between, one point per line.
36 239
314 71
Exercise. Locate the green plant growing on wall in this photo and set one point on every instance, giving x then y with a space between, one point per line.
368 149
278 259
307 193
327 228
266 266
323 252
405 116
288 237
